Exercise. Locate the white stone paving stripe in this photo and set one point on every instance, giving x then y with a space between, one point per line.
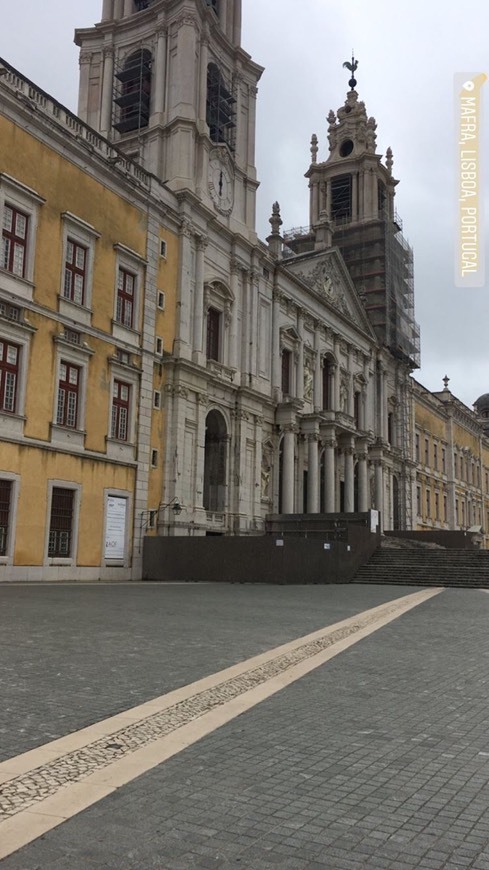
45 786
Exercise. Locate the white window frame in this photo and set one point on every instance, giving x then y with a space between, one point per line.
218 297
79 231
77 489
18 332
132 262
77 355
8 559
161 300
28 201
123 450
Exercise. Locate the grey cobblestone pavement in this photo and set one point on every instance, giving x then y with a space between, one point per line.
72 655
378 759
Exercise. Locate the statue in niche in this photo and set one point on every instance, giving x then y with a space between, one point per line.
266 474
308 384
344 397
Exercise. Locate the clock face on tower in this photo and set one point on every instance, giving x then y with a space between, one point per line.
221 182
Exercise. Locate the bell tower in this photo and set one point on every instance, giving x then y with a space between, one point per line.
168 83
352 207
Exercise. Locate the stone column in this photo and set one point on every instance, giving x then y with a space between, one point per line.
107 89
299 387
318 382
245 335
328 198
349 478
329 474
183 329
118 9
354 196
276 370
313 473
198 318
233 338
288 469
128 7
253 336
107 10
204 60
381 402
379 490
159 75
362 467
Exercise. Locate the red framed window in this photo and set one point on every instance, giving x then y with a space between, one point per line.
61 523
14 240
121 394
213 334
9 375
68 395
5 499
75 272
126 286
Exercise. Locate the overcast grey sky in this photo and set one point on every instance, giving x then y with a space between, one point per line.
408 53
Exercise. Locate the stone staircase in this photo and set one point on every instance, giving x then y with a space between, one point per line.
423 566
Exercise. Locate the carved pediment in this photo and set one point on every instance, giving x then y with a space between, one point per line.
328 278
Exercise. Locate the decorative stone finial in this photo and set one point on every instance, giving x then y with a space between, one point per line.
275 220
445 379
389 160
275 240
352 67
314 148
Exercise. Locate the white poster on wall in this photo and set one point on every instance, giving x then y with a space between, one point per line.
115 528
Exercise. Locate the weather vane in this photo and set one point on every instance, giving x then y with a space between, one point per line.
352 67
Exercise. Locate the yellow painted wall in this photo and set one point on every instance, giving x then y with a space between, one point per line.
36 468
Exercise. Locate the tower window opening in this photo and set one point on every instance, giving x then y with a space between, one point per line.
341 198
220 111
142 4
134 92
214 4
381 197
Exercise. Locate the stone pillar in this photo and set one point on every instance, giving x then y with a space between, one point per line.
379 490
299 387
159 75
313 474
233 342
328 198
329 474
245 335
318 376
107 10
118 9
354 196
276 371
198 318
183 331
204 60
253 337
288 469
107 89
128 7
349 479
363 493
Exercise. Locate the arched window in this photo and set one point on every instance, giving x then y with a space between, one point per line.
220 110
134 92
215 462
328 383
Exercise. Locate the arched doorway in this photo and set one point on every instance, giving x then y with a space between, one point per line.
215 462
